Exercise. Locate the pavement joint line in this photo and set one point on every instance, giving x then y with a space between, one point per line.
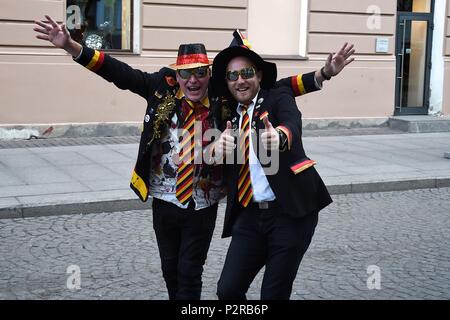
49 209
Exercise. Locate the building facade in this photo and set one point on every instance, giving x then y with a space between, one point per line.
402 63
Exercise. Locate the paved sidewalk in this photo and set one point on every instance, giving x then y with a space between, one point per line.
50 180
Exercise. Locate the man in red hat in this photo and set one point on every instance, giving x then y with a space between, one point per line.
181 106
185 192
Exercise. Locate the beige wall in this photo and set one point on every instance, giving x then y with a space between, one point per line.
40 84
16 21
274 29
367 87
206 21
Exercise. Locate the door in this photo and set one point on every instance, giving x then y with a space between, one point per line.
413 56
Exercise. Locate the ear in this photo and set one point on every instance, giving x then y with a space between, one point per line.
259 75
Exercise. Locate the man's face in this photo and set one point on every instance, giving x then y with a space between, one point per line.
243 90
194 82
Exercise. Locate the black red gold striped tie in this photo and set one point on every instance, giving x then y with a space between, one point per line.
245 191
185 172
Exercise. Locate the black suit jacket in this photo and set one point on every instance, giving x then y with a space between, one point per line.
296 184
159 89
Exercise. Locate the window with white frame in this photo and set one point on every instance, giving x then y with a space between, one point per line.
101 24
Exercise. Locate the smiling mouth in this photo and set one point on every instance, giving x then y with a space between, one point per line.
193 89
242 89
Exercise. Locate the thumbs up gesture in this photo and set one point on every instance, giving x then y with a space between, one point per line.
270 137
225 144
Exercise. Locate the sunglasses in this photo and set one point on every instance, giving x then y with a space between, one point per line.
199 72
246 73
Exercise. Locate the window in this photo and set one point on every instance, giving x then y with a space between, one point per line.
101 24
423 6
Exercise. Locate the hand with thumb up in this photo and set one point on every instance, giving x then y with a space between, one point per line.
228 125
225 144
270 137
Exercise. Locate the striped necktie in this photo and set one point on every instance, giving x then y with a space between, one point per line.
245 191
185 172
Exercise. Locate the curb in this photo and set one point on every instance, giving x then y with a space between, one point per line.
136 204
134 128
386 186
73 208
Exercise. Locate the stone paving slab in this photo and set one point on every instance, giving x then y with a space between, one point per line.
61 178
405 235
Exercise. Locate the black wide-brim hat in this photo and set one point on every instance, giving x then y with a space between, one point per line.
220 63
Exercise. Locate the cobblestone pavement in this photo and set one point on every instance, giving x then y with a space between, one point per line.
404 234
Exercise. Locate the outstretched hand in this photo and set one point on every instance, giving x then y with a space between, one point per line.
337 62
57 34
53 32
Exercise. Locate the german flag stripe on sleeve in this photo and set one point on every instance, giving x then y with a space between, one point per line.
96 61
297 85
303 83
288 134
99 63
91 59
265 114
299 167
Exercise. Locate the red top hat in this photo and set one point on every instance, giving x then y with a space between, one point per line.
190 56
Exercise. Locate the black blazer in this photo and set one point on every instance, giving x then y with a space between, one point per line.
156 88
296 184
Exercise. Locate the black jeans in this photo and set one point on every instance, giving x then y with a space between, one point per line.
183 237
265 237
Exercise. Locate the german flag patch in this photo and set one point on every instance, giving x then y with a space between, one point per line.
302 166
263 115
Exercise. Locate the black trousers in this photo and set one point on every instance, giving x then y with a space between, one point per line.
265 237
183 237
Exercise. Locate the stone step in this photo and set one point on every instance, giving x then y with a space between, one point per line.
420 124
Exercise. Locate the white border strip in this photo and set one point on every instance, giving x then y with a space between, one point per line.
303 41
137 26
437 59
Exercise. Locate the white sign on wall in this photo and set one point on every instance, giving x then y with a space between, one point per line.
382 45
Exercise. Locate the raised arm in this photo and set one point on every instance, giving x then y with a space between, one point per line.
109 68
309 82
335 63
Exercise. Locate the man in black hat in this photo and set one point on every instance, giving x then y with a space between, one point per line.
271 216
169 166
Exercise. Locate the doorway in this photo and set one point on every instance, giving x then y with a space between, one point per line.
413 56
